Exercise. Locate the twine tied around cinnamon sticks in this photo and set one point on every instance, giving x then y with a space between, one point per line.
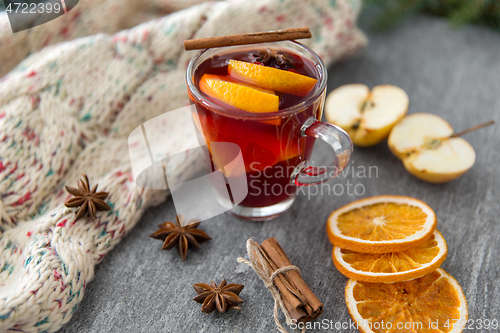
296 300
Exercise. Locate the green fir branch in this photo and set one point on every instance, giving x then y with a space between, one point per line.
388 13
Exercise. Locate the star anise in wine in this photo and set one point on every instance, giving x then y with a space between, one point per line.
272 58
180 234
221 297
86 198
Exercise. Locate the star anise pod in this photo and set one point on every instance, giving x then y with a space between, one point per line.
223 297
272 58
86 198
180 234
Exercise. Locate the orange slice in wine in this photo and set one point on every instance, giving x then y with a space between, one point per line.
241 96
271 78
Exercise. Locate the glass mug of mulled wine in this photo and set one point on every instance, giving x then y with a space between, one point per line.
267 99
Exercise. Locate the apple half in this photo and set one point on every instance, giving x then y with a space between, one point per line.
425 144
367 116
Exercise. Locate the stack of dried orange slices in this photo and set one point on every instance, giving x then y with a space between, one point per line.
390 249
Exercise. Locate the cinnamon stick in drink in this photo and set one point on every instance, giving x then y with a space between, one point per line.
244 39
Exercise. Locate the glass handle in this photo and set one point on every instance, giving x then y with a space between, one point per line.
338 139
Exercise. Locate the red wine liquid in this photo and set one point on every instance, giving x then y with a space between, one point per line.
271 149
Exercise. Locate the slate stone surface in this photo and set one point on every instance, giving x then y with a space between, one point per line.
449 72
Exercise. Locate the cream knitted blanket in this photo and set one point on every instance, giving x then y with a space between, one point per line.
68 109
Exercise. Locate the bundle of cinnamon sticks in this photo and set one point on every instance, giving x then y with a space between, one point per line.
297 297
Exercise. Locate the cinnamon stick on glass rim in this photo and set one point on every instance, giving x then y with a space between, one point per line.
251 38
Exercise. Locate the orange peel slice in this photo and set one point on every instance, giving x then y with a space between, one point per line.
271 78
241 96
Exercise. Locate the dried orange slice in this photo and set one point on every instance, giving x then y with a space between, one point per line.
381 224
394 266
271 78
241 96
432 303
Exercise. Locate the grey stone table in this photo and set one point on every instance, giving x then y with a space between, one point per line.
452 73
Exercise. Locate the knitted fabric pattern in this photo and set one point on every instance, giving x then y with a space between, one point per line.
68 109
88 18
